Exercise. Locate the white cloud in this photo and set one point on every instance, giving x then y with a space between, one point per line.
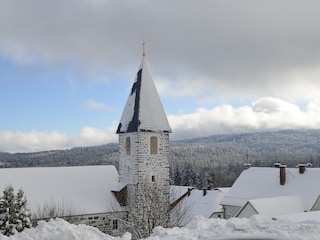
180 88
264 114
32 141
92 104
271 105
41 141
90 136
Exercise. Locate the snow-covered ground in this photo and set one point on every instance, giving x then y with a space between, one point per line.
199 228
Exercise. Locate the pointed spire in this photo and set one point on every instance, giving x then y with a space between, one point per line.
143 111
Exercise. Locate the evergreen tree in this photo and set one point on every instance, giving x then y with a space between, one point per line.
185 177
211 179
14 215
22 212
188 177
177 177
7 212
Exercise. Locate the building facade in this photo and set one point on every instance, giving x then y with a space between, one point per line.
271 187
144 157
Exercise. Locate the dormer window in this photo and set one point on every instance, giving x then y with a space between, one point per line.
128 146
153 145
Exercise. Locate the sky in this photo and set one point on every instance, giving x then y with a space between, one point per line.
220 67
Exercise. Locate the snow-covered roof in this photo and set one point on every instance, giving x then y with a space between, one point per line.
199 203
302 217
87 189
263 182
143 110
274 206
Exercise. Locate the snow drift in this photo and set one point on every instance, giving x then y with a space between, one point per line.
199 228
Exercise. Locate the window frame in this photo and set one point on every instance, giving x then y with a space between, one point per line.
154 149
127 146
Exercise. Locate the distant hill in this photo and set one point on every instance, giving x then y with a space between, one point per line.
79 156
260 149
214 160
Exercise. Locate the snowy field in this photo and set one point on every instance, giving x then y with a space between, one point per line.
199 228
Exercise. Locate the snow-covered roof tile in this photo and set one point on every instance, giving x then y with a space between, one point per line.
84 189
143 110
263 182
199 203
302 217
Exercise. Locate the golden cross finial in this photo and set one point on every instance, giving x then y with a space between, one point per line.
143 48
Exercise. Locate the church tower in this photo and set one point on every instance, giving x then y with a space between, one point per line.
144 156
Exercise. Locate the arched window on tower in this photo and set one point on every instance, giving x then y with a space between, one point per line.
153 145
128 146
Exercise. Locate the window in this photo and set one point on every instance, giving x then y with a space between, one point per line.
153 145
128 146
114 224
153 178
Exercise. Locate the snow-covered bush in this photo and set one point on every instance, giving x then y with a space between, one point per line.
14 214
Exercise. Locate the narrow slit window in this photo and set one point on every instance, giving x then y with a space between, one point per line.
128 146
153 145
115 224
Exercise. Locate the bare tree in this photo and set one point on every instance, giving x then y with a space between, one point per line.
151 208
53 208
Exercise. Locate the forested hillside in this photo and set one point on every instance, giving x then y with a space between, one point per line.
97 155
220 159
203 162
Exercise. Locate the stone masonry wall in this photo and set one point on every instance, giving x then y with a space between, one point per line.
112 223
147 179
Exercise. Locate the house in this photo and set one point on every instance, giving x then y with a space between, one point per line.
86 195
273 206
81 194
193 202
270 183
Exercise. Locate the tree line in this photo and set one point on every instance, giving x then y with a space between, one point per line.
212 161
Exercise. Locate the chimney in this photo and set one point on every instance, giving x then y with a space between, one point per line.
204 191
189 191
247 165
302 168
277 165
282 174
